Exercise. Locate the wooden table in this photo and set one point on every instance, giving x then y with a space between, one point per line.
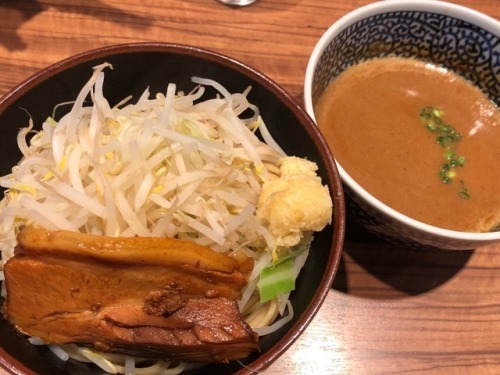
391 310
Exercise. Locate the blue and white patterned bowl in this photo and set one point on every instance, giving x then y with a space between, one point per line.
458 38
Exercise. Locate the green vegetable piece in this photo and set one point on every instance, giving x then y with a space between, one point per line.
279 277
276 279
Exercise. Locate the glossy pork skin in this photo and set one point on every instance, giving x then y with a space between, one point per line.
143 296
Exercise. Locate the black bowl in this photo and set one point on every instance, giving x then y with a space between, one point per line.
154 65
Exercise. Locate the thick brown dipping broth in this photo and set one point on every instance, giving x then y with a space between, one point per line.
370 116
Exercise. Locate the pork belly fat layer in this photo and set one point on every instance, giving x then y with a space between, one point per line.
35 240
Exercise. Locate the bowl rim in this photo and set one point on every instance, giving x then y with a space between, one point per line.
472 16
264 360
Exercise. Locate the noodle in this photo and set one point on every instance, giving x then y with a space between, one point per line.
169 166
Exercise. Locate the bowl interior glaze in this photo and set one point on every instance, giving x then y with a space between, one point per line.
154 65
445 39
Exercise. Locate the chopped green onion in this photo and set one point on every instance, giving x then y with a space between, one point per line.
464 192
447 137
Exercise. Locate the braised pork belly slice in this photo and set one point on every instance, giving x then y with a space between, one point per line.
203 330
144 296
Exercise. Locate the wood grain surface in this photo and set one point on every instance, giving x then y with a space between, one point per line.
391 310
